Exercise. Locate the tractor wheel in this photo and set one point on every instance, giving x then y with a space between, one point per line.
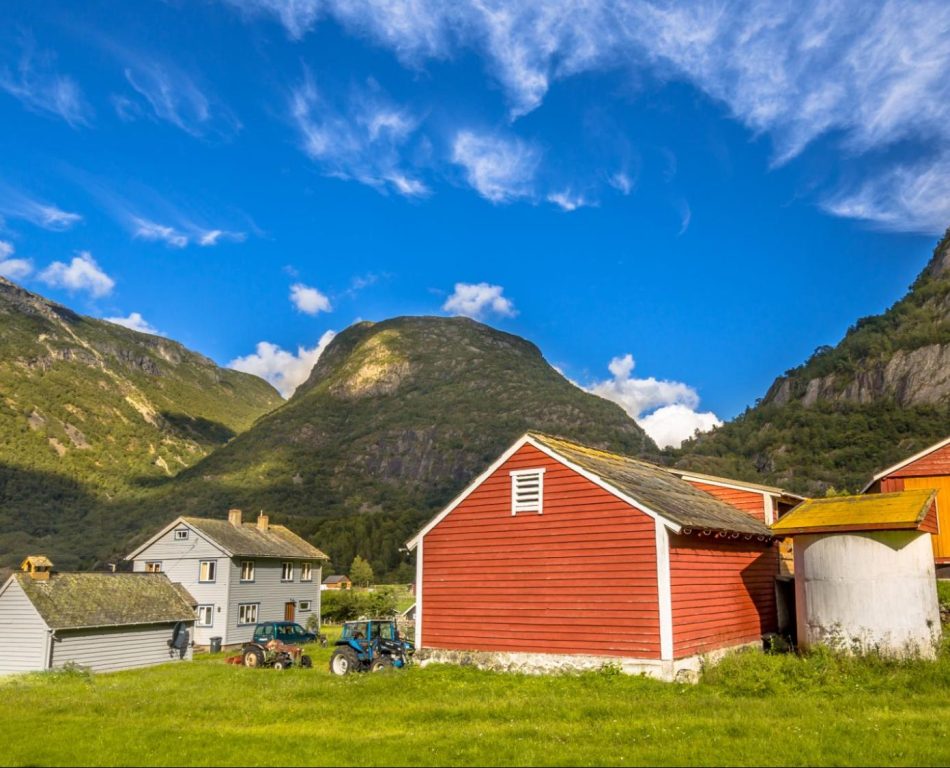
306 662
382 664
280 665
253 657
343 661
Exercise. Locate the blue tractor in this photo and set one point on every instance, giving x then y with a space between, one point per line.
370 645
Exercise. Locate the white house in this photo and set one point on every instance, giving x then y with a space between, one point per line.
239 573
103 621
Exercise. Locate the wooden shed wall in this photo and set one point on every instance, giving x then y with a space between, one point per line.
747 501
580 578
723 592
930 471
114 648
25 649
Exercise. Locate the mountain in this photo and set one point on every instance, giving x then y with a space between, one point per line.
91 414
395 419
881 394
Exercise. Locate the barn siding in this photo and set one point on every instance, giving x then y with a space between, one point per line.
581 578
723 592
934 463
748 501
111 649
270 592
25 649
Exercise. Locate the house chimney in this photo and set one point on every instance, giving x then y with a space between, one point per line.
38 567
262 522
234 517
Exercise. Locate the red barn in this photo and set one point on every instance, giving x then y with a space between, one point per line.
563 556
930 470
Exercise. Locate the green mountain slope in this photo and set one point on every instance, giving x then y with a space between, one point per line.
91 414
881 394
395 419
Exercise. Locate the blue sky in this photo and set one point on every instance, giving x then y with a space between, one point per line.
676 202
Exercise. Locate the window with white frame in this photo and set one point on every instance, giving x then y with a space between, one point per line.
205 616
527 490
181 534
287 571
247 613
306 572
247 570
153 567
305 605
207 570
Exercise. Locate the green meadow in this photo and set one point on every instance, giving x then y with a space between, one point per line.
752 709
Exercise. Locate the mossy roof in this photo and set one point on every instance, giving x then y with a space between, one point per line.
657 489
87 600
875 511
247 540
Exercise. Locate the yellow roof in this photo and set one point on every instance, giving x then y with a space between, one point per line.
876 511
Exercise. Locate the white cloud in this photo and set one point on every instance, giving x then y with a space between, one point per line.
6 249
500 169
568 201
19 205
145 229
622 182
81 274
40 89
665 409
297 16
477 299
284 370
10 268
308 300
149 230
135 322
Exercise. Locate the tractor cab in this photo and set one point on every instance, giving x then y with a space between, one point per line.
369 645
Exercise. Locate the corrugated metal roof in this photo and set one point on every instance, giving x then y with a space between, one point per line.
661 491
249 541
877 511
78 600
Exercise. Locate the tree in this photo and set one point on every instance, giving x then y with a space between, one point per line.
361 572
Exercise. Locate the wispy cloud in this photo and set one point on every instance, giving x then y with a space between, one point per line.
567 200
284 370
149 230
362 139
476 300
16 204
499 168
135 322
40 88
11 268
80 274
308 300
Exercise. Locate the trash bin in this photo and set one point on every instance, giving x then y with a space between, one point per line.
215 645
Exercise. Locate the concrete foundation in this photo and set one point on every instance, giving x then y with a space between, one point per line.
867 592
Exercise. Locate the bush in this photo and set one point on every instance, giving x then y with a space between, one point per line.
348 604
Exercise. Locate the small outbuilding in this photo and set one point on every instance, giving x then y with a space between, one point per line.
336 582
103 621
864 572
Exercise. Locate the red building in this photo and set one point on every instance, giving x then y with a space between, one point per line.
562 555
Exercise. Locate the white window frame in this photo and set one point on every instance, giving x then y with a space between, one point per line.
181 534
198 615
153 566
253 569
283 571
523 508
305 606
243 610
213 571
306 571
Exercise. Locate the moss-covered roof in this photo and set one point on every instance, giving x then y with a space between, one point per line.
248 540
657 489
78 600
904 510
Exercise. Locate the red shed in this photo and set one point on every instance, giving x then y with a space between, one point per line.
564 556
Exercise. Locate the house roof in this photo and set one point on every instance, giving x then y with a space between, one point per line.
901 464
246 540
86 600
771 490
335 579
904 510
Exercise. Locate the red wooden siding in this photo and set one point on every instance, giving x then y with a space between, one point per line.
935 463
723 592
747 501
579 578
930 521
892 484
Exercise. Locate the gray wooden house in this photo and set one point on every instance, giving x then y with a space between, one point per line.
239 573
104 621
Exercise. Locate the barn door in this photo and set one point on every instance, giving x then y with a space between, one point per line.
289 611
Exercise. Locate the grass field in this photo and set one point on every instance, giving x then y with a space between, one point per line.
752 709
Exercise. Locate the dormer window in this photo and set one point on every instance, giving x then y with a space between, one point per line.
527 491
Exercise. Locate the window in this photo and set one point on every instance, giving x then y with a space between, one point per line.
527 490
207 570
247 613
287 572
304 606
153 567
205 616
247 570
306 573
181 534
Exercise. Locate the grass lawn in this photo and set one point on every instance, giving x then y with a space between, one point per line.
752 709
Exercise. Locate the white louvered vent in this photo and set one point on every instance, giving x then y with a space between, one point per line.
527 490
